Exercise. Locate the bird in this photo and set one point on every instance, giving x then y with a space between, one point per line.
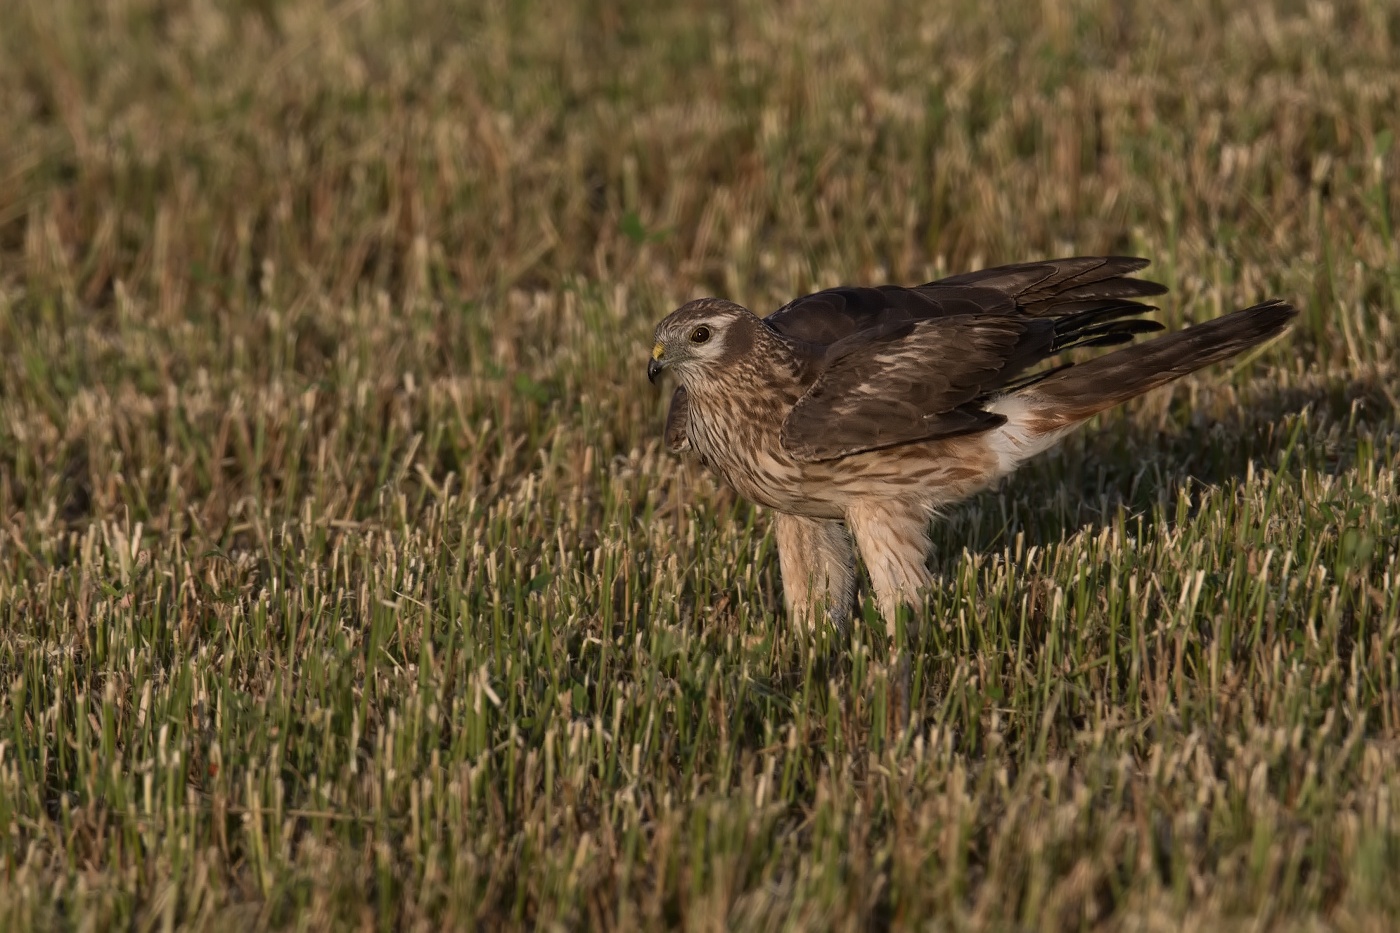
856 414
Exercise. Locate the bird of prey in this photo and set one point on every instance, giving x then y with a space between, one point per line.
856 413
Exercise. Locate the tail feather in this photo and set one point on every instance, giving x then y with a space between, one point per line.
1073 393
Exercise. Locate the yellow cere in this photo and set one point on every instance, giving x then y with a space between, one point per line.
657 352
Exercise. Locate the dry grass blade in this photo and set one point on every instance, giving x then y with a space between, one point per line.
344 580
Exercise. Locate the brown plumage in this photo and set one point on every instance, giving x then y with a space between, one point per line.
856 413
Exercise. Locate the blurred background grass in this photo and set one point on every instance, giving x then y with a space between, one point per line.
343 581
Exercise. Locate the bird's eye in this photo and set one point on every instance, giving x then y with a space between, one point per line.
700 334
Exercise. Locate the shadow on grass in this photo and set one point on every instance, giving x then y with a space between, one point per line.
1121 463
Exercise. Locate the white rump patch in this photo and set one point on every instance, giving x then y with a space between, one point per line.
1019 438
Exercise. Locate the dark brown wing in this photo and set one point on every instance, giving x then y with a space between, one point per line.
913 364
1061 286
1054 288
825 317
912 381
678 421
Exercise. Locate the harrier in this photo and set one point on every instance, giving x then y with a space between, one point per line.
858 413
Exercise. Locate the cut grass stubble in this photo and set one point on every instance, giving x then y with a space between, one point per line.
343 579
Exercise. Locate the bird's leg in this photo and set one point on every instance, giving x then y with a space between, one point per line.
818 568
893 540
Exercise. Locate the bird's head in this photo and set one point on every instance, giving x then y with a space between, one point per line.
701 334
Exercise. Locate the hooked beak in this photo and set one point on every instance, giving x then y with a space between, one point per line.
656 365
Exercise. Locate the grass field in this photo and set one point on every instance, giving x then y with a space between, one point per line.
344 582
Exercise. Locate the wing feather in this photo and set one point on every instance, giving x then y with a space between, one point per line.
1042 288
911 381
893 365
1053 288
